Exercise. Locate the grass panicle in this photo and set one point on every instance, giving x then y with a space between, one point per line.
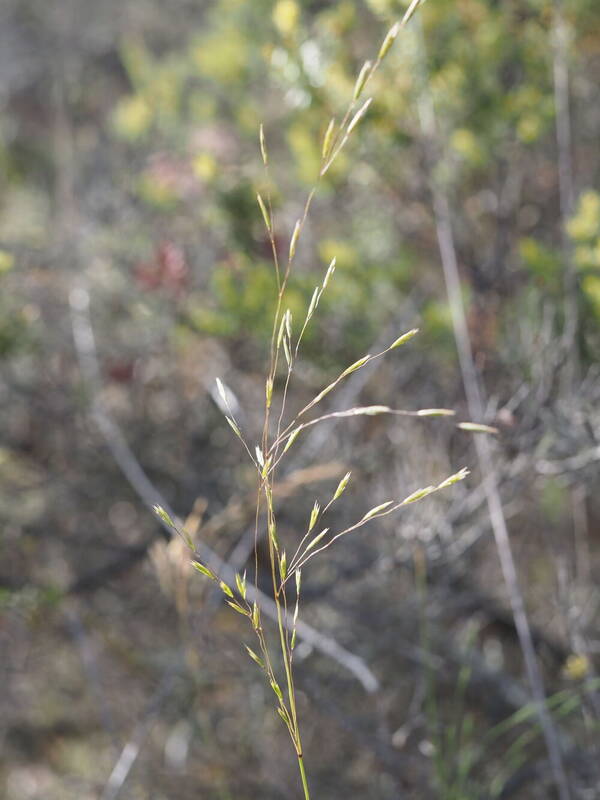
275 658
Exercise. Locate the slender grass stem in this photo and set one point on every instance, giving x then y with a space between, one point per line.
303 776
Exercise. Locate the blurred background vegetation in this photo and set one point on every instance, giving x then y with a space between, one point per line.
130 164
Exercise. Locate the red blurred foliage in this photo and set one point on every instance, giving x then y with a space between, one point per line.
168 269
121 371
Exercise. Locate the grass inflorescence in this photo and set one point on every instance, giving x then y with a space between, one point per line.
279 433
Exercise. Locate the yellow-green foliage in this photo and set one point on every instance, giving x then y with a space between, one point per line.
292 67
584 230
542 261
